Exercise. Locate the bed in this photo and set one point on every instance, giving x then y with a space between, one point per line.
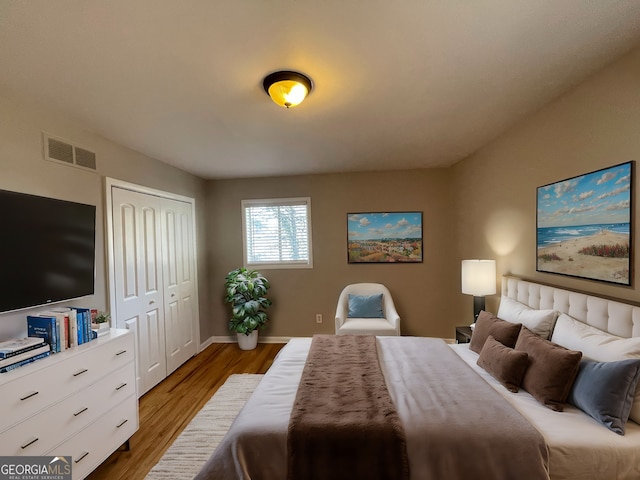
576 446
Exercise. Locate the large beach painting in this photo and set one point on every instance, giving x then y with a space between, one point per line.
584 225
392 237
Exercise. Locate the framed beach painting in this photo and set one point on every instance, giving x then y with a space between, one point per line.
584 225
384 237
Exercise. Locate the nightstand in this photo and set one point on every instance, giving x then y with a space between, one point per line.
463 334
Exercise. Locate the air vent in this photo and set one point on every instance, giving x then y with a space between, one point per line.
62 151
85 158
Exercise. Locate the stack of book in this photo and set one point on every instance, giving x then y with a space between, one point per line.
62 328
15 353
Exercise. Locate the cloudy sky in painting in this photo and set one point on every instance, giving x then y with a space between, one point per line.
374 226
601 197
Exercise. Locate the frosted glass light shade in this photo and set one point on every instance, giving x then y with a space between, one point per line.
479 277
286 88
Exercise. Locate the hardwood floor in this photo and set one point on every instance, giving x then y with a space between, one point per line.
167 408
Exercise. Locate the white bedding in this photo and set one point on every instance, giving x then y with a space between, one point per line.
580 448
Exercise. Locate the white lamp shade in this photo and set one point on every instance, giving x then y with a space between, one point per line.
479 277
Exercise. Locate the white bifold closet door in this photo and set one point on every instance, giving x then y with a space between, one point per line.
153 289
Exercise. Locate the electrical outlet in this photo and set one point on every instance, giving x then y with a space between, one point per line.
318 318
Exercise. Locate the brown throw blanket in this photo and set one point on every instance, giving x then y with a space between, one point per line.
344 424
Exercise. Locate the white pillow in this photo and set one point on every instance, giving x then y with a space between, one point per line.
539 322
597 345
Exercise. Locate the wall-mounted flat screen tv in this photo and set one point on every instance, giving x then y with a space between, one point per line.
47 250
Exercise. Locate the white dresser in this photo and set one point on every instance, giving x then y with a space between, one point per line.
80 403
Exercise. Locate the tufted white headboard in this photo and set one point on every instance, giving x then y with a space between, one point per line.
610 316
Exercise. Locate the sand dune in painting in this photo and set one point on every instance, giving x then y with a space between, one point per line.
565 258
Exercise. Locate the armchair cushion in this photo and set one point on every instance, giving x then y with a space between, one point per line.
365 306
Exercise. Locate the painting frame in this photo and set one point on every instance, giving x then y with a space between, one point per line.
584 225
385 237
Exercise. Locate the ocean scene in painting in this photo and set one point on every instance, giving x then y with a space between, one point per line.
550 235
584 225
384 237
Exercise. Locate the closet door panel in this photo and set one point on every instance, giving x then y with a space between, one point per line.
138 280
179 285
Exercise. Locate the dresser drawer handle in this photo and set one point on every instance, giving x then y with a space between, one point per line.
84 370
32 394
122 423
121 386
121 352
81 411
30 443
81 457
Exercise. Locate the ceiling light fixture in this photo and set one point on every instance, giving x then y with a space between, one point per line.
287 88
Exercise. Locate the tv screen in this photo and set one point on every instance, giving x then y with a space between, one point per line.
47 250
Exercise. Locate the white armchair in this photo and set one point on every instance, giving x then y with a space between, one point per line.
388 325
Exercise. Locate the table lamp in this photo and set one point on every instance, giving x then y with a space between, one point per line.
478 279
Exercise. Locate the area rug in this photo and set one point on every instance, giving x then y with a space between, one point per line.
194 445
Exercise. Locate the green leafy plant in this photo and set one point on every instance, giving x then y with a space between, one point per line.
246 290
102 317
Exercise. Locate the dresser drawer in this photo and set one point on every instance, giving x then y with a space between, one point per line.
94 444
43 431
70 372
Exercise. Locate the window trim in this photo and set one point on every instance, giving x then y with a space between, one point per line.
270 202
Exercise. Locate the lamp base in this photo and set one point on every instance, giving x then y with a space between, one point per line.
478 305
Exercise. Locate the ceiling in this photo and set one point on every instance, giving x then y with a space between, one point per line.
397 83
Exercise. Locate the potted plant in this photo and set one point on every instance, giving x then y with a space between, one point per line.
101 321
246 290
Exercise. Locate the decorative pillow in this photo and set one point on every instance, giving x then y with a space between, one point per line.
503 363
552 369
539 322
488 324
597 345
592 342
605 391
365 306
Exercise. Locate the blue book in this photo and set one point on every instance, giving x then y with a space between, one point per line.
24 362
44 327
84 324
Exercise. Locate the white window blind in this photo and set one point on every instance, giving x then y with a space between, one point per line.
277 233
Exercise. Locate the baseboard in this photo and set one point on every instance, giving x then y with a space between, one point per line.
232 339
209 341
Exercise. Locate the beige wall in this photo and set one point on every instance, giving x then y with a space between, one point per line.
23 169
483 207
422 292
594 126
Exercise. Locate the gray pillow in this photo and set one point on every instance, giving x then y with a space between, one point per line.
605 391
365 306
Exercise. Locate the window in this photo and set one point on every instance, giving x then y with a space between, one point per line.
277 233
